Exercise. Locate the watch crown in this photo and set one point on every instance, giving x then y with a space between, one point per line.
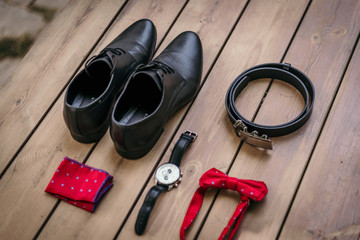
180 179
176 185
181 173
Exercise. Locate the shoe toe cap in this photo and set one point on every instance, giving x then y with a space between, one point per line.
184 54
138 39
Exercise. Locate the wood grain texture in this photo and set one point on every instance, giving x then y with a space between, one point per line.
23 200
29 91
321 48
23 203
216 145
324 42
327 203
130 176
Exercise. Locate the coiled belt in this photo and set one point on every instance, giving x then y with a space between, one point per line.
256 134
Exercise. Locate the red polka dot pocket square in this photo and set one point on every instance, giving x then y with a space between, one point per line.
79 184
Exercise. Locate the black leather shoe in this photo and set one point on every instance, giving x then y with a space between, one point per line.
91 94
154 93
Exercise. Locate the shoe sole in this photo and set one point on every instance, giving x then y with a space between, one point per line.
90 138
139 153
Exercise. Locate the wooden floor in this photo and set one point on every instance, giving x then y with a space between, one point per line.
313 174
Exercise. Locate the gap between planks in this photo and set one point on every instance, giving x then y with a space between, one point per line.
187 121
65 137
94 146
181 121
206 64
319 135
60 93
352 38
253 119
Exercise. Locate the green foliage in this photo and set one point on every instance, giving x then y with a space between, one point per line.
47 13
15 47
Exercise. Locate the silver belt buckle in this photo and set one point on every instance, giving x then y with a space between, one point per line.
253 137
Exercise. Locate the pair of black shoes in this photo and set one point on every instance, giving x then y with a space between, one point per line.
145 94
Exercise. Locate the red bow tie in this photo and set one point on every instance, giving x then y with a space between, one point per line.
213 178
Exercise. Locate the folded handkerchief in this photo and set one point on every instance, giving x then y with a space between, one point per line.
79 184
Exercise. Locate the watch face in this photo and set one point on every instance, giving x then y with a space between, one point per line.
167 173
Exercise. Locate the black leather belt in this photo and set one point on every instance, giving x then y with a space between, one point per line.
256 134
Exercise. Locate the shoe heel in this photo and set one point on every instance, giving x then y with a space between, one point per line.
89 138
141 152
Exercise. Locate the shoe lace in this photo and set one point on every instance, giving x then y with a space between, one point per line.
105 51
115 51
151 66
165 68
154 66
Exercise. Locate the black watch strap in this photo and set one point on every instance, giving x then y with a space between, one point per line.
151 197
185 139
147 207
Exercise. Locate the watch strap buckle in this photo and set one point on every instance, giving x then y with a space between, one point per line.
192 134
252 138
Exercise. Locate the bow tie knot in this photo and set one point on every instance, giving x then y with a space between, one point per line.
214 178
255 190
232 183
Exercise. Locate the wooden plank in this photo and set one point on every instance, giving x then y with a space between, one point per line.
24 205
257 38
321 49
327 203
130 176
28 93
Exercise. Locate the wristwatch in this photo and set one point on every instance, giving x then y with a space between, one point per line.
167 176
